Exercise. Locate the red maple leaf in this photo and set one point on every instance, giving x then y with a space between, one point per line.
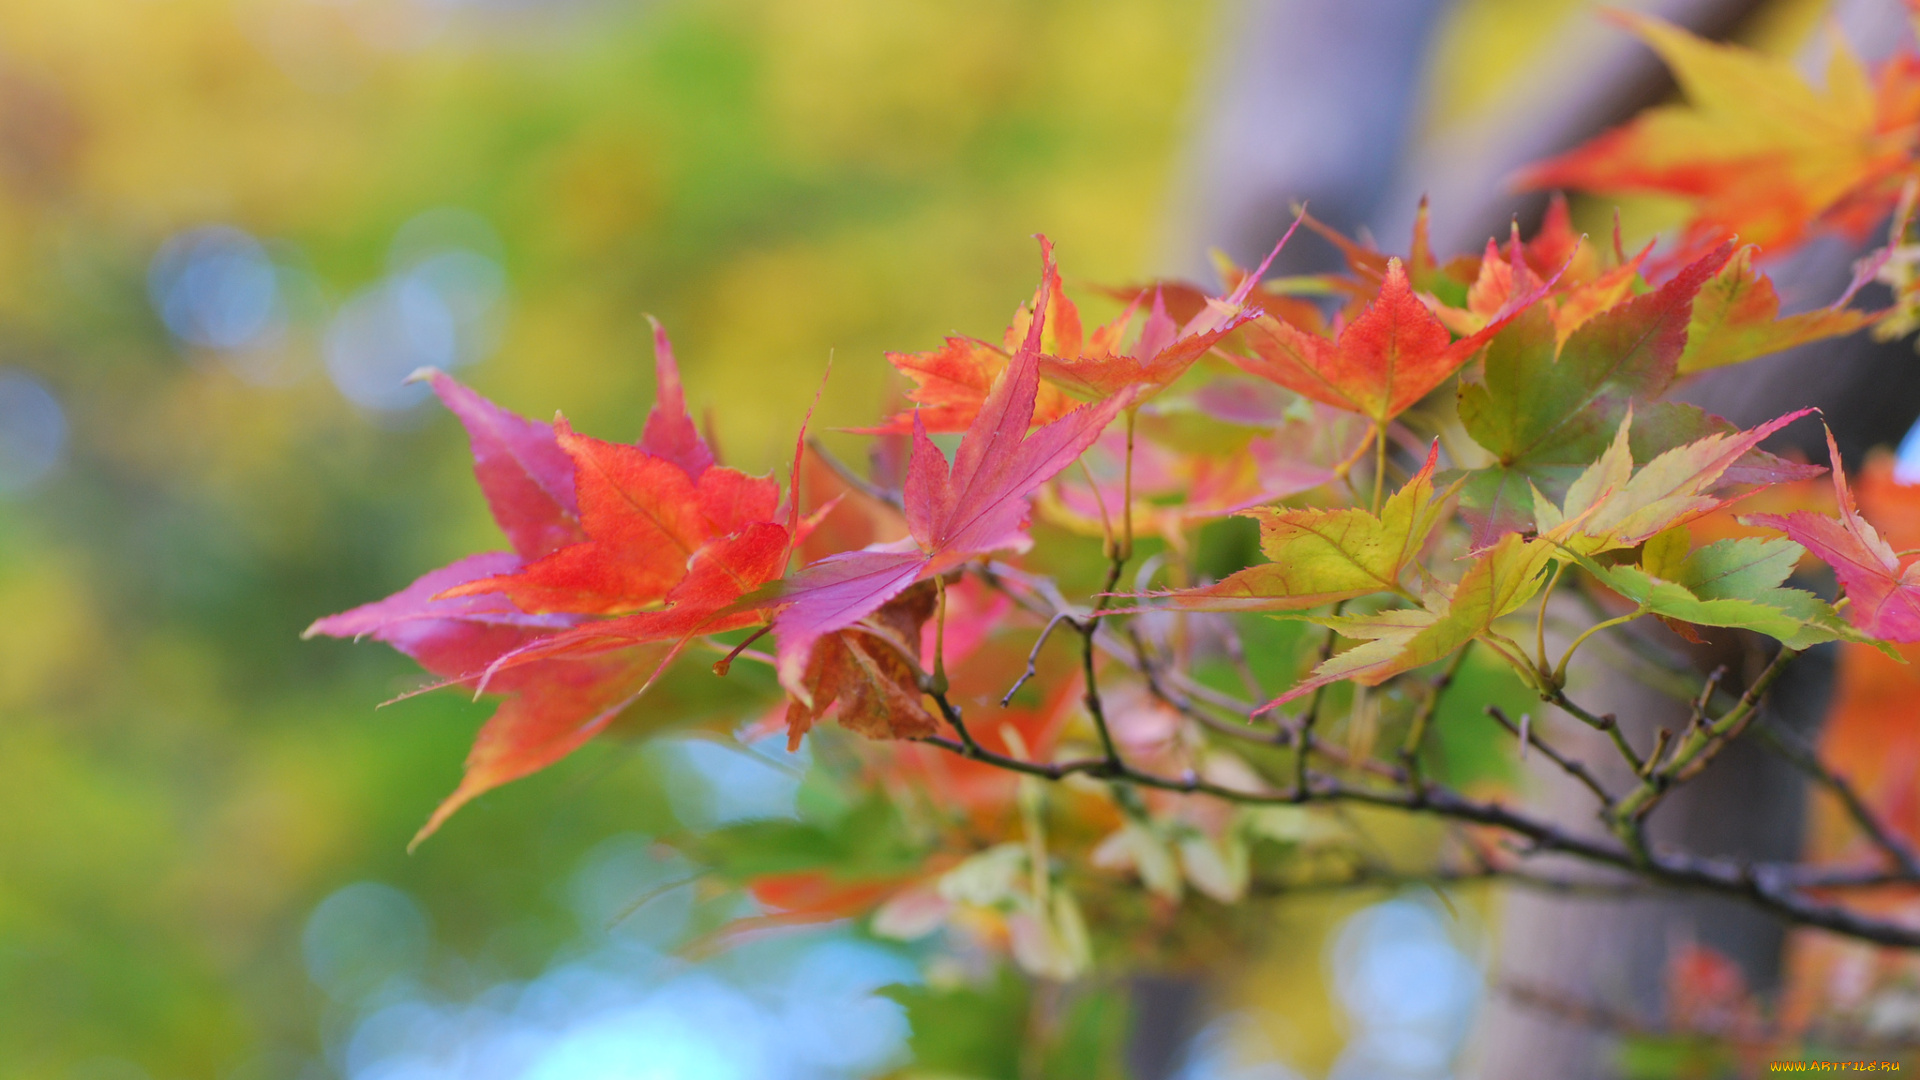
597 528
1165 348
645 510
976 504
953 381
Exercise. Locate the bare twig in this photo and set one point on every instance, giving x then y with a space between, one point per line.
1762 885
1422 715
1311 716
1572 768
1034 655
1802 757
1780 889
1702 744
1371 877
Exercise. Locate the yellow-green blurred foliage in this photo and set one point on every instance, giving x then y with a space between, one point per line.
180 777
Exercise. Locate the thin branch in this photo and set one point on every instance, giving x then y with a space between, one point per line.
1033 656
1764 886
1422 715
1311 716
1802 757
1586 1014
1603 723
1241 730
1575 769
1370 877
1772 887
1089 653
1702 744
1617 1022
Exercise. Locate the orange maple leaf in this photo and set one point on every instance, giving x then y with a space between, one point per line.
1391 356
1756 150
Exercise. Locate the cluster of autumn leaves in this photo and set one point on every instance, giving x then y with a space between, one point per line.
1555 452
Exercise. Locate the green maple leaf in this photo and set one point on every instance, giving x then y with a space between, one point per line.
1544 414
1501 579
1730 583
1323 556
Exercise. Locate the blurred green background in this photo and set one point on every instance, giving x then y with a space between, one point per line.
227 228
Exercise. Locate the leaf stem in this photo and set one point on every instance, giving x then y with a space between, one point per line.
1379 465
1089 631
725 663
939 680
1099 500
1540 624
1559 675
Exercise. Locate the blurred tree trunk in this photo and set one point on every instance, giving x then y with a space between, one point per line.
1317 100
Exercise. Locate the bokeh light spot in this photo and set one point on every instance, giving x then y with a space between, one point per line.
1408 990
215 287
716 784
633 889
362 936
1906 465
438 307
33 432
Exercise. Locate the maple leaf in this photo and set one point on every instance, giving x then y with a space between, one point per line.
1165 348
1503 279
1611 505
1545 412
1391 356
597 528
645 511
1367 267
525 476
702 603
1501 579
1757 150
1219 452
1883 597
868 674
1731 583
1323 556
1185 300
669 432
449 637
550 709
952 382
1736 317
976 504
